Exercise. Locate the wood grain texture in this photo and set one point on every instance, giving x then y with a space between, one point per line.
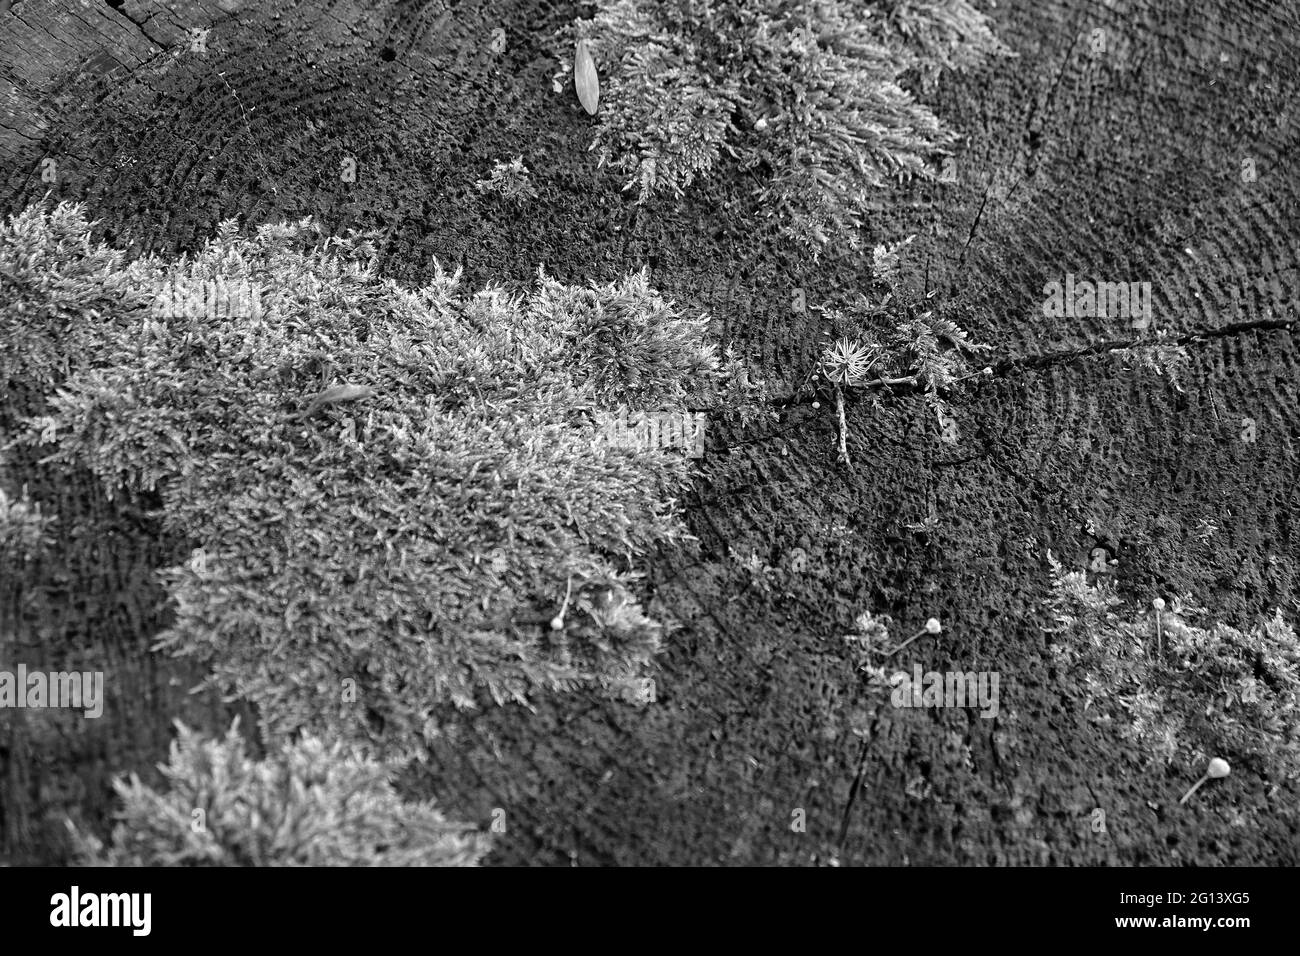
1125 165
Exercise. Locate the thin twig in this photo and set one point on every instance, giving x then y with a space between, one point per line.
907 380
839 408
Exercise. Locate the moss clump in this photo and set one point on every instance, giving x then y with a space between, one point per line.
891 332
1183 692
808 96
512 181
306 804
358 568
24 529
58 291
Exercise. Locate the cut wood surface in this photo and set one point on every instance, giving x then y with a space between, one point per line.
1126 164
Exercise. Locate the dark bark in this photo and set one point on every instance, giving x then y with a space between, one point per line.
1125 165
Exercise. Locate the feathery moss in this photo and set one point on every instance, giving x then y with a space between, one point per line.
306 804
358 567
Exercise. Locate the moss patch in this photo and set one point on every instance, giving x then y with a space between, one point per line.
398 497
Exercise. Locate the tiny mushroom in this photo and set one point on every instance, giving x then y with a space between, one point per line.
931 627
557 622
1217 770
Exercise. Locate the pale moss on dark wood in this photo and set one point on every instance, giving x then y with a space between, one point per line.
1113 165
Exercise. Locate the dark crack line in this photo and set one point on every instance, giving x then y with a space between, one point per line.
961 262
139 25
853 796
1009 366
1098 348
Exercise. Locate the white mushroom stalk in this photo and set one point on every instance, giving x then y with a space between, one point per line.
557 622
1217 770
932 626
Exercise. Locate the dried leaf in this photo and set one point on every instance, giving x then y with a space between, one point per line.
585 80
